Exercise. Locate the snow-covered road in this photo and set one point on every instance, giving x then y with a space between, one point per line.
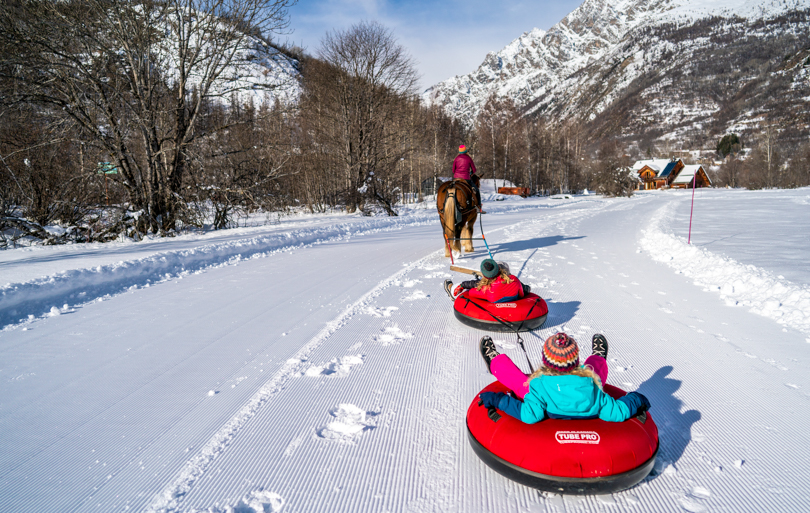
329 374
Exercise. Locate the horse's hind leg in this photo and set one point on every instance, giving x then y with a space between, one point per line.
466 234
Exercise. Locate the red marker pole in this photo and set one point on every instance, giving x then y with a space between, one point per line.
692 209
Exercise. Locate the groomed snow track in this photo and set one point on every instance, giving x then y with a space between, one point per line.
331 376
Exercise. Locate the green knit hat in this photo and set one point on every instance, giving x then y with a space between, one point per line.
489 268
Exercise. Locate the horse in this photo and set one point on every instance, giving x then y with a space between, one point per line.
455 201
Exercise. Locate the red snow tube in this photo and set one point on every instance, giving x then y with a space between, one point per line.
579 457
524 314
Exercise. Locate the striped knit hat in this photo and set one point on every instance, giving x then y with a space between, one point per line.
561 353
462 149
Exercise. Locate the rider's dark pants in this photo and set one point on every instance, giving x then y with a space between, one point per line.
477 192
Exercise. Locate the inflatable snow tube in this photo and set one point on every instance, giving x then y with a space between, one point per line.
580 457
524 314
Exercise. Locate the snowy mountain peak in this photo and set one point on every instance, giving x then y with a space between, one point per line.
541 69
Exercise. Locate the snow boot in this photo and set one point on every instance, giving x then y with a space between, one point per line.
488 351
599 345
448 287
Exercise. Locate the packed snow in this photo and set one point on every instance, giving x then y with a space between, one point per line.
315 364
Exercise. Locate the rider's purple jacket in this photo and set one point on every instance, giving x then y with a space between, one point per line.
463 167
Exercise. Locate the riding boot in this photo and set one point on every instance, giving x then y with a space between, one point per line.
478 197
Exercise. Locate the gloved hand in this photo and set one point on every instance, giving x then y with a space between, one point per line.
491 399
527 288
636 403
458 290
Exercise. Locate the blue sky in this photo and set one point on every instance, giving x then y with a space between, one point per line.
445 38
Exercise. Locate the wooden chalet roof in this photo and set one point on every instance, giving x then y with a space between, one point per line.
661 167
656 165
688 172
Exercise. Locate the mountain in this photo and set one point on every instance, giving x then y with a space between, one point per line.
653 69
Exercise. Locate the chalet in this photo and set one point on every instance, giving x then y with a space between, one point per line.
689 173
657 173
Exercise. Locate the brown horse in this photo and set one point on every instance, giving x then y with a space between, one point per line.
455 201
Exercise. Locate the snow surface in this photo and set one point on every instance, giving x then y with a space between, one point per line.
315 365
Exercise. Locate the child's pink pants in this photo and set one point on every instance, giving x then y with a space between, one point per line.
505 371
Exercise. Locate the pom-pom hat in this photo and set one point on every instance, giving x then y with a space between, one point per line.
489 268
561 353
462 149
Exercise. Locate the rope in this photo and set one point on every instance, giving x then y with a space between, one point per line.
508 325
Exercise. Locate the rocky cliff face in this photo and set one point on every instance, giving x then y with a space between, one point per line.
653 69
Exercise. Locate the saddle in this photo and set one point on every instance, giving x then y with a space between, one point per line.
471 200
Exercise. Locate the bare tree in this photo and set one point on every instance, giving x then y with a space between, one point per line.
135 75
364 98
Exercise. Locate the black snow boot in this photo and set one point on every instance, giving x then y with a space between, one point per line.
599 345
448 287
488 351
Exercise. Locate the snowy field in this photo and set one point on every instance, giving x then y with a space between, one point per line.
315 365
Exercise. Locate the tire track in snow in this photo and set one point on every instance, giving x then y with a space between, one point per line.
170 498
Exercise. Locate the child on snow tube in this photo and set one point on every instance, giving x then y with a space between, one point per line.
562 389
498 285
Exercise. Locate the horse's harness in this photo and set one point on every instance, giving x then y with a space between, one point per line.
452 194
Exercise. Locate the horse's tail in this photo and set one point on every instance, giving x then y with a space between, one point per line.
451 209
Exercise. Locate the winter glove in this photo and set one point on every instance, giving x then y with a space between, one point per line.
456 292
526 289
636 403
491 399
503 402
510 406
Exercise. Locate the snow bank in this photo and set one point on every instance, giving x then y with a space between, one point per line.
26 301
23 302
738 284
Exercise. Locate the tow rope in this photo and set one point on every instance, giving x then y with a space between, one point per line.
509 325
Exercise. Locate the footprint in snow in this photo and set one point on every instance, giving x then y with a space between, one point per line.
416 295
700 492
407 283
433 276
337 367
260 501
392 335
691 506
377 311
349 424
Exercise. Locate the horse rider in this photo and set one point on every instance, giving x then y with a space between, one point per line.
463 169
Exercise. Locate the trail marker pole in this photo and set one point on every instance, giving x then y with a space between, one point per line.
694 179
